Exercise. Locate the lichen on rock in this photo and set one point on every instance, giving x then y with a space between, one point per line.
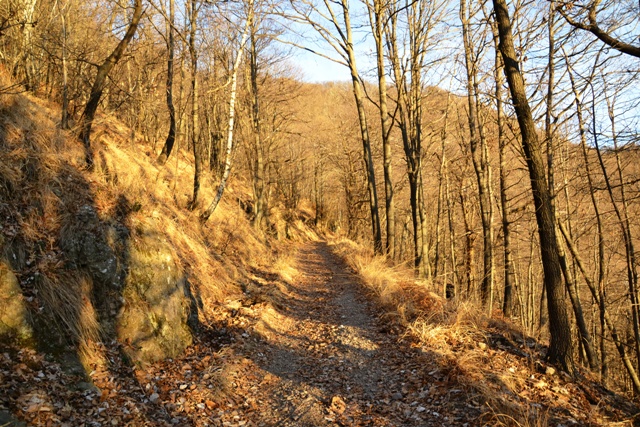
14 324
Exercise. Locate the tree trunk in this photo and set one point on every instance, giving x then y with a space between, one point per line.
469 249
561 346
171 137
204 217
477 144
195 126
260 208
28 22
385 123
358 95
100 82
508 273
441 184
64 121
409 117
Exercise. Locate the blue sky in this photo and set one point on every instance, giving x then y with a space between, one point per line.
316 69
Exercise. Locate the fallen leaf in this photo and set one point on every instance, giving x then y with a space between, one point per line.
337 405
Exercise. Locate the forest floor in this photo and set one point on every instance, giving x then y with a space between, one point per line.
314 351
328 359
318 353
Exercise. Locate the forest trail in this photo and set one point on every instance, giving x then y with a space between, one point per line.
327 359
312 351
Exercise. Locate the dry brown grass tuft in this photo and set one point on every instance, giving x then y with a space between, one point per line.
65 298
509 415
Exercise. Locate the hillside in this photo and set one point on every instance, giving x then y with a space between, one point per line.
120 308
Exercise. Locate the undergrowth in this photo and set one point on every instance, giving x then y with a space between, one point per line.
488 355
140 208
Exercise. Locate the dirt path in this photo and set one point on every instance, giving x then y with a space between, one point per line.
326 359
314 352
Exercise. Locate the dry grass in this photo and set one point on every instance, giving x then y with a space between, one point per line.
401 297
518 416
489 356
43 184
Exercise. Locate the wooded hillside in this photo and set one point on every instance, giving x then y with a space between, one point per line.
490 149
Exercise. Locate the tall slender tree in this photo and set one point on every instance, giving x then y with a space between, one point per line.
171 136
204 217
479 155
377 17
331 19
561 346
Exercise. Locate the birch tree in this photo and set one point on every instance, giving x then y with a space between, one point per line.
204 217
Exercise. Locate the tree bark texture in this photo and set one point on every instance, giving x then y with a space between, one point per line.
561 346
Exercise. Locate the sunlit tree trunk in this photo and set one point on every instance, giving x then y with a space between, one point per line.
359 97
376 17
479 156
196 145
204 217
561 346
408 81
64 121
260 208
100 82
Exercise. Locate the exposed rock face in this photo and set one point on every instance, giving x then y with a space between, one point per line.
14 323
154 317
86 246
138 287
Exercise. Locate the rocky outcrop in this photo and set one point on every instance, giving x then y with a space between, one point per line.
14 324
153 320
138 287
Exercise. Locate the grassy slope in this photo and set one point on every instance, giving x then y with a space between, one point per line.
46 192
486 355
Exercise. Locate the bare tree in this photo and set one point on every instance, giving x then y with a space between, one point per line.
592 25
193 8
100 82
421 18
479 155
561 346
232 111
171 136
332 22
377 17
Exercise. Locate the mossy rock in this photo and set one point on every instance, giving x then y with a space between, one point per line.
153 321
14 324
